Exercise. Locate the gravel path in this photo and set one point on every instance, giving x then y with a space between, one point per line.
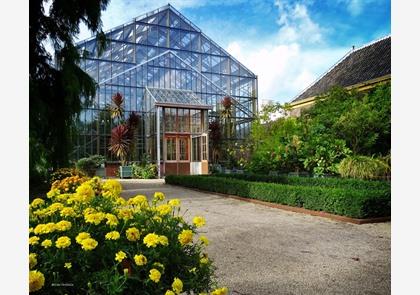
262 250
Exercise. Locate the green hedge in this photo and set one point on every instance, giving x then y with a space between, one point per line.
332 182
356 203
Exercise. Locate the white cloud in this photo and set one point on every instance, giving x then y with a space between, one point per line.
356 7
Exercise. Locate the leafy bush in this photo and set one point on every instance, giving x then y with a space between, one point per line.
101 243
89 165
363 167
145 171
62 173
332 182
356 203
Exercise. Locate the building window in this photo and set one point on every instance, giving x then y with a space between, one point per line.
171 149
170 120
204 141
184 120
196 151
195 121
183 149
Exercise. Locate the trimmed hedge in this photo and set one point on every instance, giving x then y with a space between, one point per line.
356 203
332 182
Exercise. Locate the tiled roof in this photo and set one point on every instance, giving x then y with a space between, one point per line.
360 65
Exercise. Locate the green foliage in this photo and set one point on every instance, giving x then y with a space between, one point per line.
329 182
145 171
57 83
340 123
356 203
88 165
363 167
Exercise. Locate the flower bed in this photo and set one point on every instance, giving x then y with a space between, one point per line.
86 239
350 202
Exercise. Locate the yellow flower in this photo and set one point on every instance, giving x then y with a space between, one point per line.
157 218
174 203
111 189
185 237
177 285
63 242
32 260
85 191
31 230
163 240
159 265
54 207
89 210
36 280
63 225
164 209
112 235
199 221
139 200
112 220
126 271
67 212
220 291
140 259
159 196
120 256
125 214
67 265
82 236
53 192
169 292
204 240
202 293
151 240
89 244
34 240
46 243
95 218
45 228
154 275
204 260
133 234
37 202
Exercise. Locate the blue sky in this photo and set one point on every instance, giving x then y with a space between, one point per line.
287 43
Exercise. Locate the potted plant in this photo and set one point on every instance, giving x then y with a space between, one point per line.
119 146
91 166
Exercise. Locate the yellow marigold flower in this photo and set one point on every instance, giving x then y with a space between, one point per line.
154 275
89 210
32 260
185 237
140 259
112 220
63 242
67 265
174 203
133 234
82 236
169 292
177 285
63 225
157 218
120 256
204 240
52 193
203 293
112 235
199 221
33 240
85 191
220 291
204 260
89 244
159 265
151 240
46 243
54 207
31 230
95 218
139 200
163 240
164 209
111 189
67 212
36 280
125 214
159 196
37 202
120 201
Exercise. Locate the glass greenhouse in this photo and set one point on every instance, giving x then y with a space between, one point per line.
174 77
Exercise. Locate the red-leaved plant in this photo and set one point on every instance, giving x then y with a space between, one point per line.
120 142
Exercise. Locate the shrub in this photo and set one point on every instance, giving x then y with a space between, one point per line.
62 173
356 203
101 243
89 165
363 167
332 182
145 171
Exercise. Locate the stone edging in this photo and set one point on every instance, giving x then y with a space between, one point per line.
302 210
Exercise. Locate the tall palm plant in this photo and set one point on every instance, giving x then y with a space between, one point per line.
117 107
120 142
226 114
